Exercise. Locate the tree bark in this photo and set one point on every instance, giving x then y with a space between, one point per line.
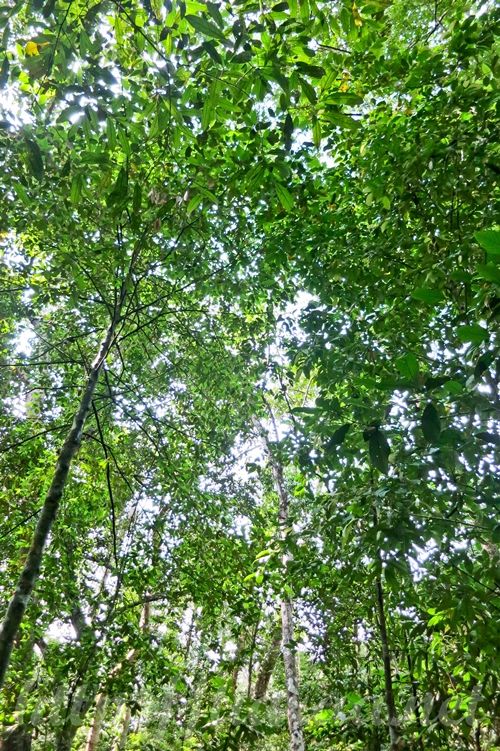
292 682
386 660
94 733
19 601
97 720
268 663
16 739
77 710
287 622
121 739
414 687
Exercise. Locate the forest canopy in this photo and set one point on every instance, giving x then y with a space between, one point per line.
249 370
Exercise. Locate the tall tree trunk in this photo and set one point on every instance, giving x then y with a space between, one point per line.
123 728
251 659
97 720
240 648
73 720
414 685
17 738
268 663
386 660
95 729
375 741
292 682
287 622
19 601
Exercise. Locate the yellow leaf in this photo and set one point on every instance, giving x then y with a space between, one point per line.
357 18
31 49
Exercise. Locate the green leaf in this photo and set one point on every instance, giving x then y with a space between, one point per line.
264 553
408 366
194 202
316 133
453 387
120 188
338 437
489 239
67 114
489 438
212 51
473 333
76 189
430 296
35 159
313 71
309 91
284 195
306 411
136 203
489 272
379 451
431 424
391 570
205 27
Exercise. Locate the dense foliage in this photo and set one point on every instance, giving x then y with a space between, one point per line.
249 368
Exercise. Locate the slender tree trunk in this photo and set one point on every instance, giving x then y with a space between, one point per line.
123 728
268 663
16 739
477 737
375 742
386 660
240 646
287 622
292 682
414 684
29 575
96 726
19 601
251 659
94 733
72 722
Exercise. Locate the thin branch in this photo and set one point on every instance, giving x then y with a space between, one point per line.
20 524
14 445
108 482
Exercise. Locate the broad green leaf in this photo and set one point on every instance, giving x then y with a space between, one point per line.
430 296
205 27
489 271
338 437
489 239
379 451
35 159
408 366
76 189
265 553
316 131
120 188
194 202
431 423
284 195
473 333
314 71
